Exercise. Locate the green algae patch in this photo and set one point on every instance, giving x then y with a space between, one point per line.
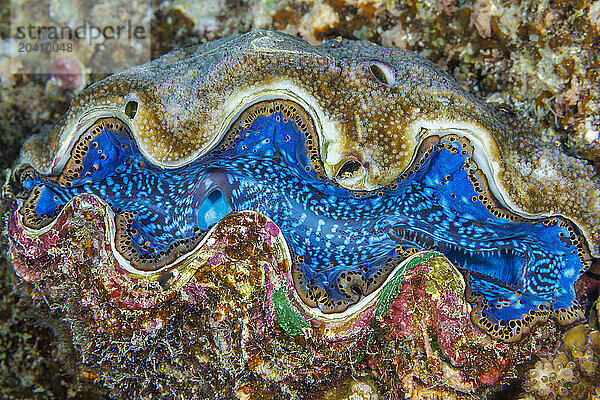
357 355
391 289
441 276
289 319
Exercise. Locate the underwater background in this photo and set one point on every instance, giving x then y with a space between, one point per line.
541 58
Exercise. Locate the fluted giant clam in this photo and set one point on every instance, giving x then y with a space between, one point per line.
363 156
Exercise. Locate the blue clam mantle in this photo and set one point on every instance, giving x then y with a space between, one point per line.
351 203
345 243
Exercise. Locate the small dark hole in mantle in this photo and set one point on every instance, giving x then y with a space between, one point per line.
382 73
349 168
356 290
131 108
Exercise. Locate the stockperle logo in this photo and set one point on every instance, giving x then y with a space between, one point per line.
78 37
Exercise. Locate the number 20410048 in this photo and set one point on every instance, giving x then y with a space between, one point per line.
27 47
